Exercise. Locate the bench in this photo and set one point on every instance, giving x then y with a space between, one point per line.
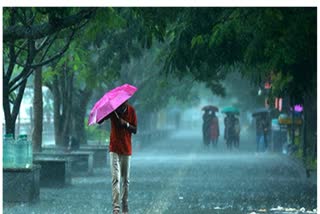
84 161
80 161
55 172
100 153
21 185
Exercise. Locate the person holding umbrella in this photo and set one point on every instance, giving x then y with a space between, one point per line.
262 128
210 126
114 106
229 131
123 124
214 132
232 127
206 127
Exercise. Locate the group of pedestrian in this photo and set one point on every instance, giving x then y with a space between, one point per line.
211 132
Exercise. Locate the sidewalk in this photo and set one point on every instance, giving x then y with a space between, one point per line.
310 176
90 194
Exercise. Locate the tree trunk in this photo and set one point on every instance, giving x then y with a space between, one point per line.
37 111
80 104
61 89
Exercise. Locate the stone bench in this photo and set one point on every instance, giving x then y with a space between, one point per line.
55 172
81 161
100 154
21 185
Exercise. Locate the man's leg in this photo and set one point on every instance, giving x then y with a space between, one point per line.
228 143
125 175
266 142
215 142
258 142
115 173
237 141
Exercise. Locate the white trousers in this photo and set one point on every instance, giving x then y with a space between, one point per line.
120 168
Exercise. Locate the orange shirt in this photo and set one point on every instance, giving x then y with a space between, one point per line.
120 137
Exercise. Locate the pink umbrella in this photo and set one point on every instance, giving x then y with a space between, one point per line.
110 102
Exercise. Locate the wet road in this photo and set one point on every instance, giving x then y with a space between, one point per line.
178 175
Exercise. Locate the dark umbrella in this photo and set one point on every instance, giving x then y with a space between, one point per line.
260 111
210 108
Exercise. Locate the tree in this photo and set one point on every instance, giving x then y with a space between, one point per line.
29 34
113 36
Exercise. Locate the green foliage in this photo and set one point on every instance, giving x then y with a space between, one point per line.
280 83
154 23
48 74
97 133
197 40
264 40
106 19
311 163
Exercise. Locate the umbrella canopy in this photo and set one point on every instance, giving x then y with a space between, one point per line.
110 101
260 111
230 109
210 108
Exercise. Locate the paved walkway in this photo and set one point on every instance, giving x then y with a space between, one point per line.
178 175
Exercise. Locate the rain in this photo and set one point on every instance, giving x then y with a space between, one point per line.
221 123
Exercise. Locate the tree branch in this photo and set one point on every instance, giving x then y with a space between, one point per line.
12 58
21 48
43 43
58 55
26 69
30 71
16 106
48 48
42 30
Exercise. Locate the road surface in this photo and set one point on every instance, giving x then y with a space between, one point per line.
179 175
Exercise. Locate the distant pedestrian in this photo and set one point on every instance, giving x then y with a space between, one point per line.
261 133
237 130
206 126
229 130
214 130
123 124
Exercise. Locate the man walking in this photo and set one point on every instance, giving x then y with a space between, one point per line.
123 124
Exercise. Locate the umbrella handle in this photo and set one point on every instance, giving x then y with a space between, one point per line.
116 114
